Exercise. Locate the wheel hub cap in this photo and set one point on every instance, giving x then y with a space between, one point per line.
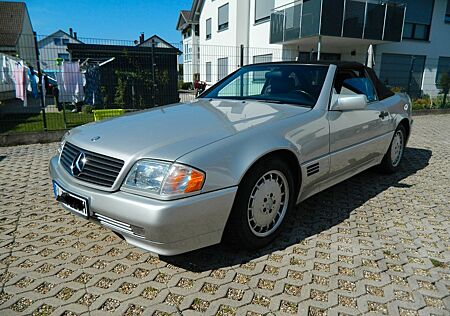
397 148
268 203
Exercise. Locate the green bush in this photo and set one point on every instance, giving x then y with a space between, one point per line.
186 86
87 109
397 89
421 103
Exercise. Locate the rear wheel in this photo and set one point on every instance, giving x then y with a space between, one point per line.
264 200
394 155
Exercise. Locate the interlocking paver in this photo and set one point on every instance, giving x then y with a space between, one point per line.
373 244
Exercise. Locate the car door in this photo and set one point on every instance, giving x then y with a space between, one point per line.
357 137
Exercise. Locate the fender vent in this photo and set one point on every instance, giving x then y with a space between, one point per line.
312 169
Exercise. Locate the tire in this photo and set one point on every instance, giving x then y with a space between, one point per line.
392 159
257 217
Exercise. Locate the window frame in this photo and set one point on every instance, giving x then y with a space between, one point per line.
208 76
442 59
218 68
362 74
208 36
413 32
224 26
63 58
265 18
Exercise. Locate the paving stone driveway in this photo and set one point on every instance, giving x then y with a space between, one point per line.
373 244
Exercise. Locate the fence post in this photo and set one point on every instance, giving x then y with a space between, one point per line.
242 55
153 74
41 77
411 70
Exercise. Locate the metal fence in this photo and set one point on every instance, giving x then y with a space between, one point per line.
61 81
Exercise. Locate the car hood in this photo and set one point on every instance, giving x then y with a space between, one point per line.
169 132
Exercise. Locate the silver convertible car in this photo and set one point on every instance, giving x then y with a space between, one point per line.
235 162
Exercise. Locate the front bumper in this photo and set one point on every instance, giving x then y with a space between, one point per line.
163 227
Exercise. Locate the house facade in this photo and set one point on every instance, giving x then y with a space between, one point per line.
16 32
189 27
54 47
409 37
16 41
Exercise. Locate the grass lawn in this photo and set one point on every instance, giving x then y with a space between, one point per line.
14 123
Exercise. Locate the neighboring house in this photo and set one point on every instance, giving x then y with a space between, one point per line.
54 47
158 42
16 40
16 32
188 26
409 37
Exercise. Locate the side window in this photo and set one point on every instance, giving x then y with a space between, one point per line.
361 86
350 82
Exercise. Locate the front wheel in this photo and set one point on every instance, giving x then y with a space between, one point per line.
391 160
264 200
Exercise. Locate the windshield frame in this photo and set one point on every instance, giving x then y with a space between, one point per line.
228 79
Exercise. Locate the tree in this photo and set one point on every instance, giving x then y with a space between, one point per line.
444 86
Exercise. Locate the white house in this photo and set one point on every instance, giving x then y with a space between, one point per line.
54 47
409 37
188 26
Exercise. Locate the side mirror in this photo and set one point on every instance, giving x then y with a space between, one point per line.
350 103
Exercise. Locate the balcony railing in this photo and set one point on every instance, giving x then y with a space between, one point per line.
363 19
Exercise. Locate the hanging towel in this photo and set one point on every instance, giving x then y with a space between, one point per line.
33 82
73 83
20 82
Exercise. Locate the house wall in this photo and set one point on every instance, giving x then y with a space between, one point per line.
49 51
191 60
437 46
25 45
255 37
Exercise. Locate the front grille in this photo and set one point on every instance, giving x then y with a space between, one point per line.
118 225
98 169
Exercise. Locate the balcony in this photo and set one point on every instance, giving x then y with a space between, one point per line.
372 21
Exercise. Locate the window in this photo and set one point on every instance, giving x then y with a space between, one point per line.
418 18
443 68
258 60
208 29
63 56
223 18
447 13
403 71
262 58
416 31
289 84
263 9
187 51
351 82
208 72
65 41
57 41
222 68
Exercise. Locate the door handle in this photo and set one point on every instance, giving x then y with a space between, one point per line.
383 114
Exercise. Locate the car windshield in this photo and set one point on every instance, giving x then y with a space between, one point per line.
277 83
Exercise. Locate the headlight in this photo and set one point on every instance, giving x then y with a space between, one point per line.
163 178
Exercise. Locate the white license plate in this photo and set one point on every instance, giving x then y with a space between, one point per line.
75 203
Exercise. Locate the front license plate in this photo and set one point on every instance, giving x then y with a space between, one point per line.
74 203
